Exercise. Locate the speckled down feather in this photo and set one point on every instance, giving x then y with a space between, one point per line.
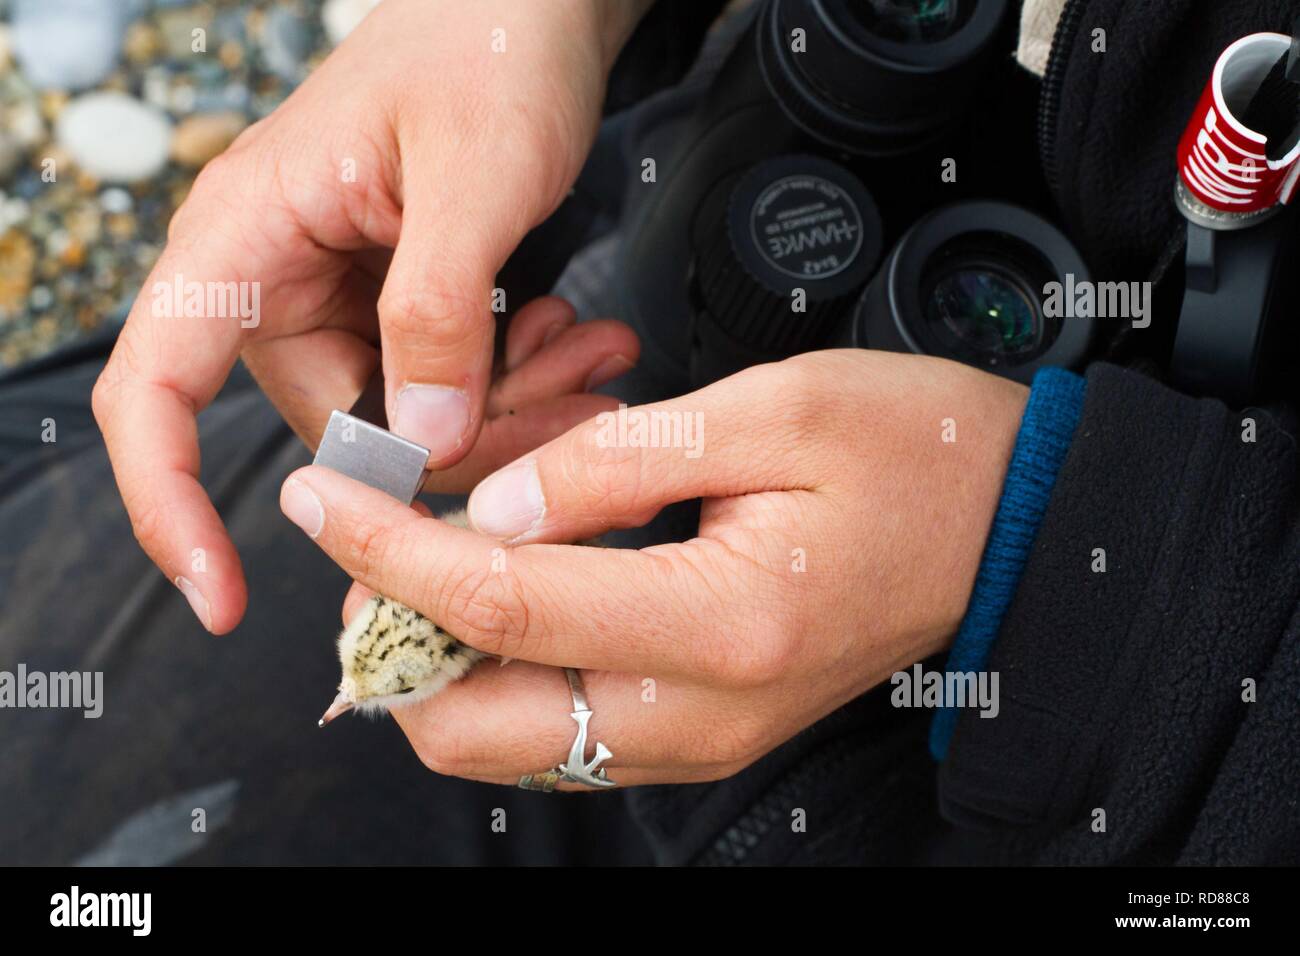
393 656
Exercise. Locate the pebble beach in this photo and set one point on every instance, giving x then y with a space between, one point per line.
108 110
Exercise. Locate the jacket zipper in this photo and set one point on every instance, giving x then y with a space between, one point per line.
1049 103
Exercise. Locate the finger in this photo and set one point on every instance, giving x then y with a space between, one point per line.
163 370
435 310
505 438
619 469
533 326
307 376
359 594
177 349
581 358
575 606
498 724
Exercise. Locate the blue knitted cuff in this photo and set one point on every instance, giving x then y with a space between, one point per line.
1053 410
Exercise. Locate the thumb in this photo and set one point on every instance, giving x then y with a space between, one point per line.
436 327
620 468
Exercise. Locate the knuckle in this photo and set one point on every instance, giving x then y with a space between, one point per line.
249 135
214 175
370 550
118 372
548 134
488 610
436 311
211 185
102 396
801 416
755 656
148 522
759 646
604 478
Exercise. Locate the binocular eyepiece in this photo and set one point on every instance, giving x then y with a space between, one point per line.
876 77
971 282
782 253
808 160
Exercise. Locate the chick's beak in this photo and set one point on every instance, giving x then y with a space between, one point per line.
342 704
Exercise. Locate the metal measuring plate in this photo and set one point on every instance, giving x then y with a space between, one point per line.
356 443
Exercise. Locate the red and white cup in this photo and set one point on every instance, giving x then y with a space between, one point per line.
1225 179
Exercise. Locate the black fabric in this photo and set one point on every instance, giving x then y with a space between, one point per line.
856 787
1123 690
1122 113
660 50
227 724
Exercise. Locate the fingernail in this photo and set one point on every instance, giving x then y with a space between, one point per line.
301 506
198 603
509 503
607 371
434 416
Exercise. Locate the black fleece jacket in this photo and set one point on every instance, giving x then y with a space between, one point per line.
1164 691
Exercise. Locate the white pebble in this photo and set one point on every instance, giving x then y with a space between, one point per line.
13 211
67 44
114 137
58 242
157 87
116 201
183 98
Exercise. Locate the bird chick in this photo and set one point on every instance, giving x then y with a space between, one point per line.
394 656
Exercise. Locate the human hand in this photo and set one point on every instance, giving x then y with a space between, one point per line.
374 207
839 540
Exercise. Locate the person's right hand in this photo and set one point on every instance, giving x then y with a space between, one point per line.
373 208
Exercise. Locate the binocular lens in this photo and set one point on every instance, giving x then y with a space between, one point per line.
987 310
911 21
969 282
979 296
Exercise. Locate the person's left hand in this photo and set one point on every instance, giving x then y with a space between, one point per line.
839 538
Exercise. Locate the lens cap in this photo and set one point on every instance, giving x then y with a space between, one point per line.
782 250
968 282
